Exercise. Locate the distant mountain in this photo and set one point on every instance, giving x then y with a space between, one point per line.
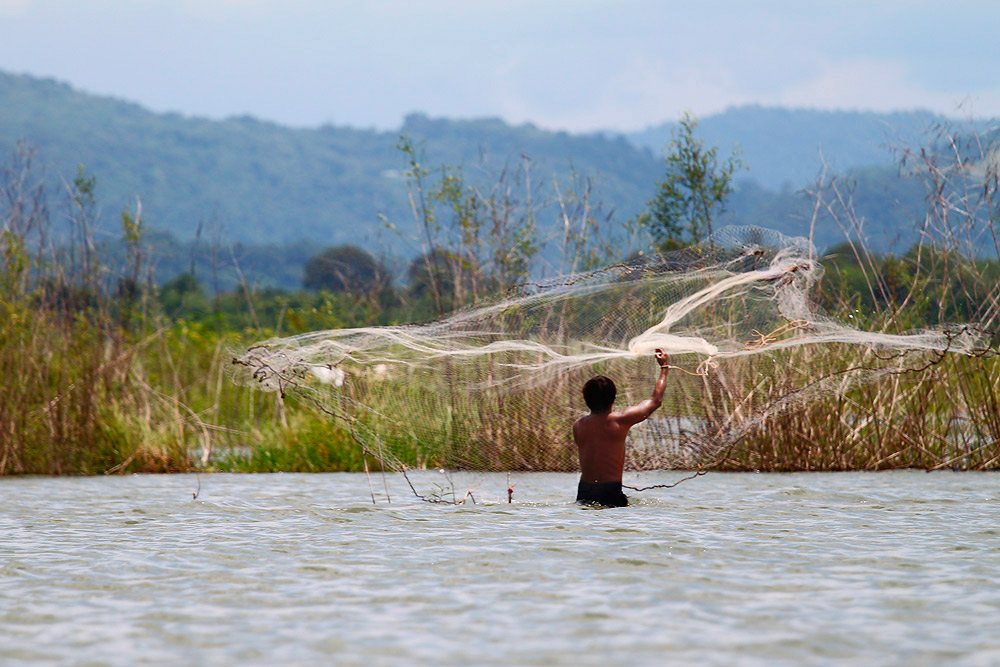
264 183
245 181
785 147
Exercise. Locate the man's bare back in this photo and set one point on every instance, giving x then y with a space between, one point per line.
600 436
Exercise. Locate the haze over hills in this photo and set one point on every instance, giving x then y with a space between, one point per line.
785 147
270 184
259 183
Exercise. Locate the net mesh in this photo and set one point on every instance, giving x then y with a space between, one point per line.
497 387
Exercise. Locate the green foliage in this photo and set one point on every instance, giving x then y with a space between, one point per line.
442 271
346 268
84 190
309 444
183 298
482 239
694 186
16 263
920 288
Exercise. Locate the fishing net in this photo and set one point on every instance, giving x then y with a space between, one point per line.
497 387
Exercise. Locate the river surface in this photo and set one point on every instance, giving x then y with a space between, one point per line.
883 568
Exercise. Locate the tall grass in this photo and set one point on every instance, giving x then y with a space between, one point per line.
945 412
97 379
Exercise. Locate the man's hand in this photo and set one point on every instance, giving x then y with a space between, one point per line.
662 358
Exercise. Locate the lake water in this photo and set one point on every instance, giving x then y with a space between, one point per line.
886 568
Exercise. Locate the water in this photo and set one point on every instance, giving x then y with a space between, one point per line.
888 568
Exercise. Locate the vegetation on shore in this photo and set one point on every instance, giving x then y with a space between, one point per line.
106 373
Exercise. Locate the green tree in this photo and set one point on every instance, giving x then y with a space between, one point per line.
455 276
345 268
183 297
695 185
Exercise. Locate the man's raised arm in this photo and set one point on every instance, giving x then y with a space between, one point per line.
640 412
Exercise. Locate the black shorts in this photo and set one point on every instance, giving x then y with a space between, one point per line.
605 494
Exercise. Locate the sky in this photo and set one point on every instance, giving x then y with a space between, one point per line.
580 65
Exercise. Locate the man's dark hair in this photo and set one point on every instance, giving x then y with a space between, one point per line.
599 393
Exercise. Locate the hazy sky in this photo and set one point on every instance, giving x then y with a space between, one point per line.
576 65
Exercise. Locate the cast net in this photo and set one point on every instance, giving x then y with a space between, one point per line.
497 387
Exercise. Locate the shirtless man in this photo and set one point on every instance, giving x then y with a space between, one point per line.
600 437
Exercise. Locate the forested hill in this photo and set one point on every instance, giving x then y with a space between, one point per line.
264 183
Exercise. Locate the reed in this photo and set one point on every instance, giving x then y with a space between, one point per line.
97 379
944 412
943 416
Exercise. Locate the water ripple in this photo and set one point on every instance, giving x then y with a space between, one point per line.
887 568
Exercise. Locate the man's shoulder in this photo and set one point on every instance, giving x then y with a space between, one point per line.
618 415
600 421
623 418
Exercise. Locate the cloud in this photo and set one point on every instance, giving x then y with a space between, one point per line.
880 85
13 7
642 91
